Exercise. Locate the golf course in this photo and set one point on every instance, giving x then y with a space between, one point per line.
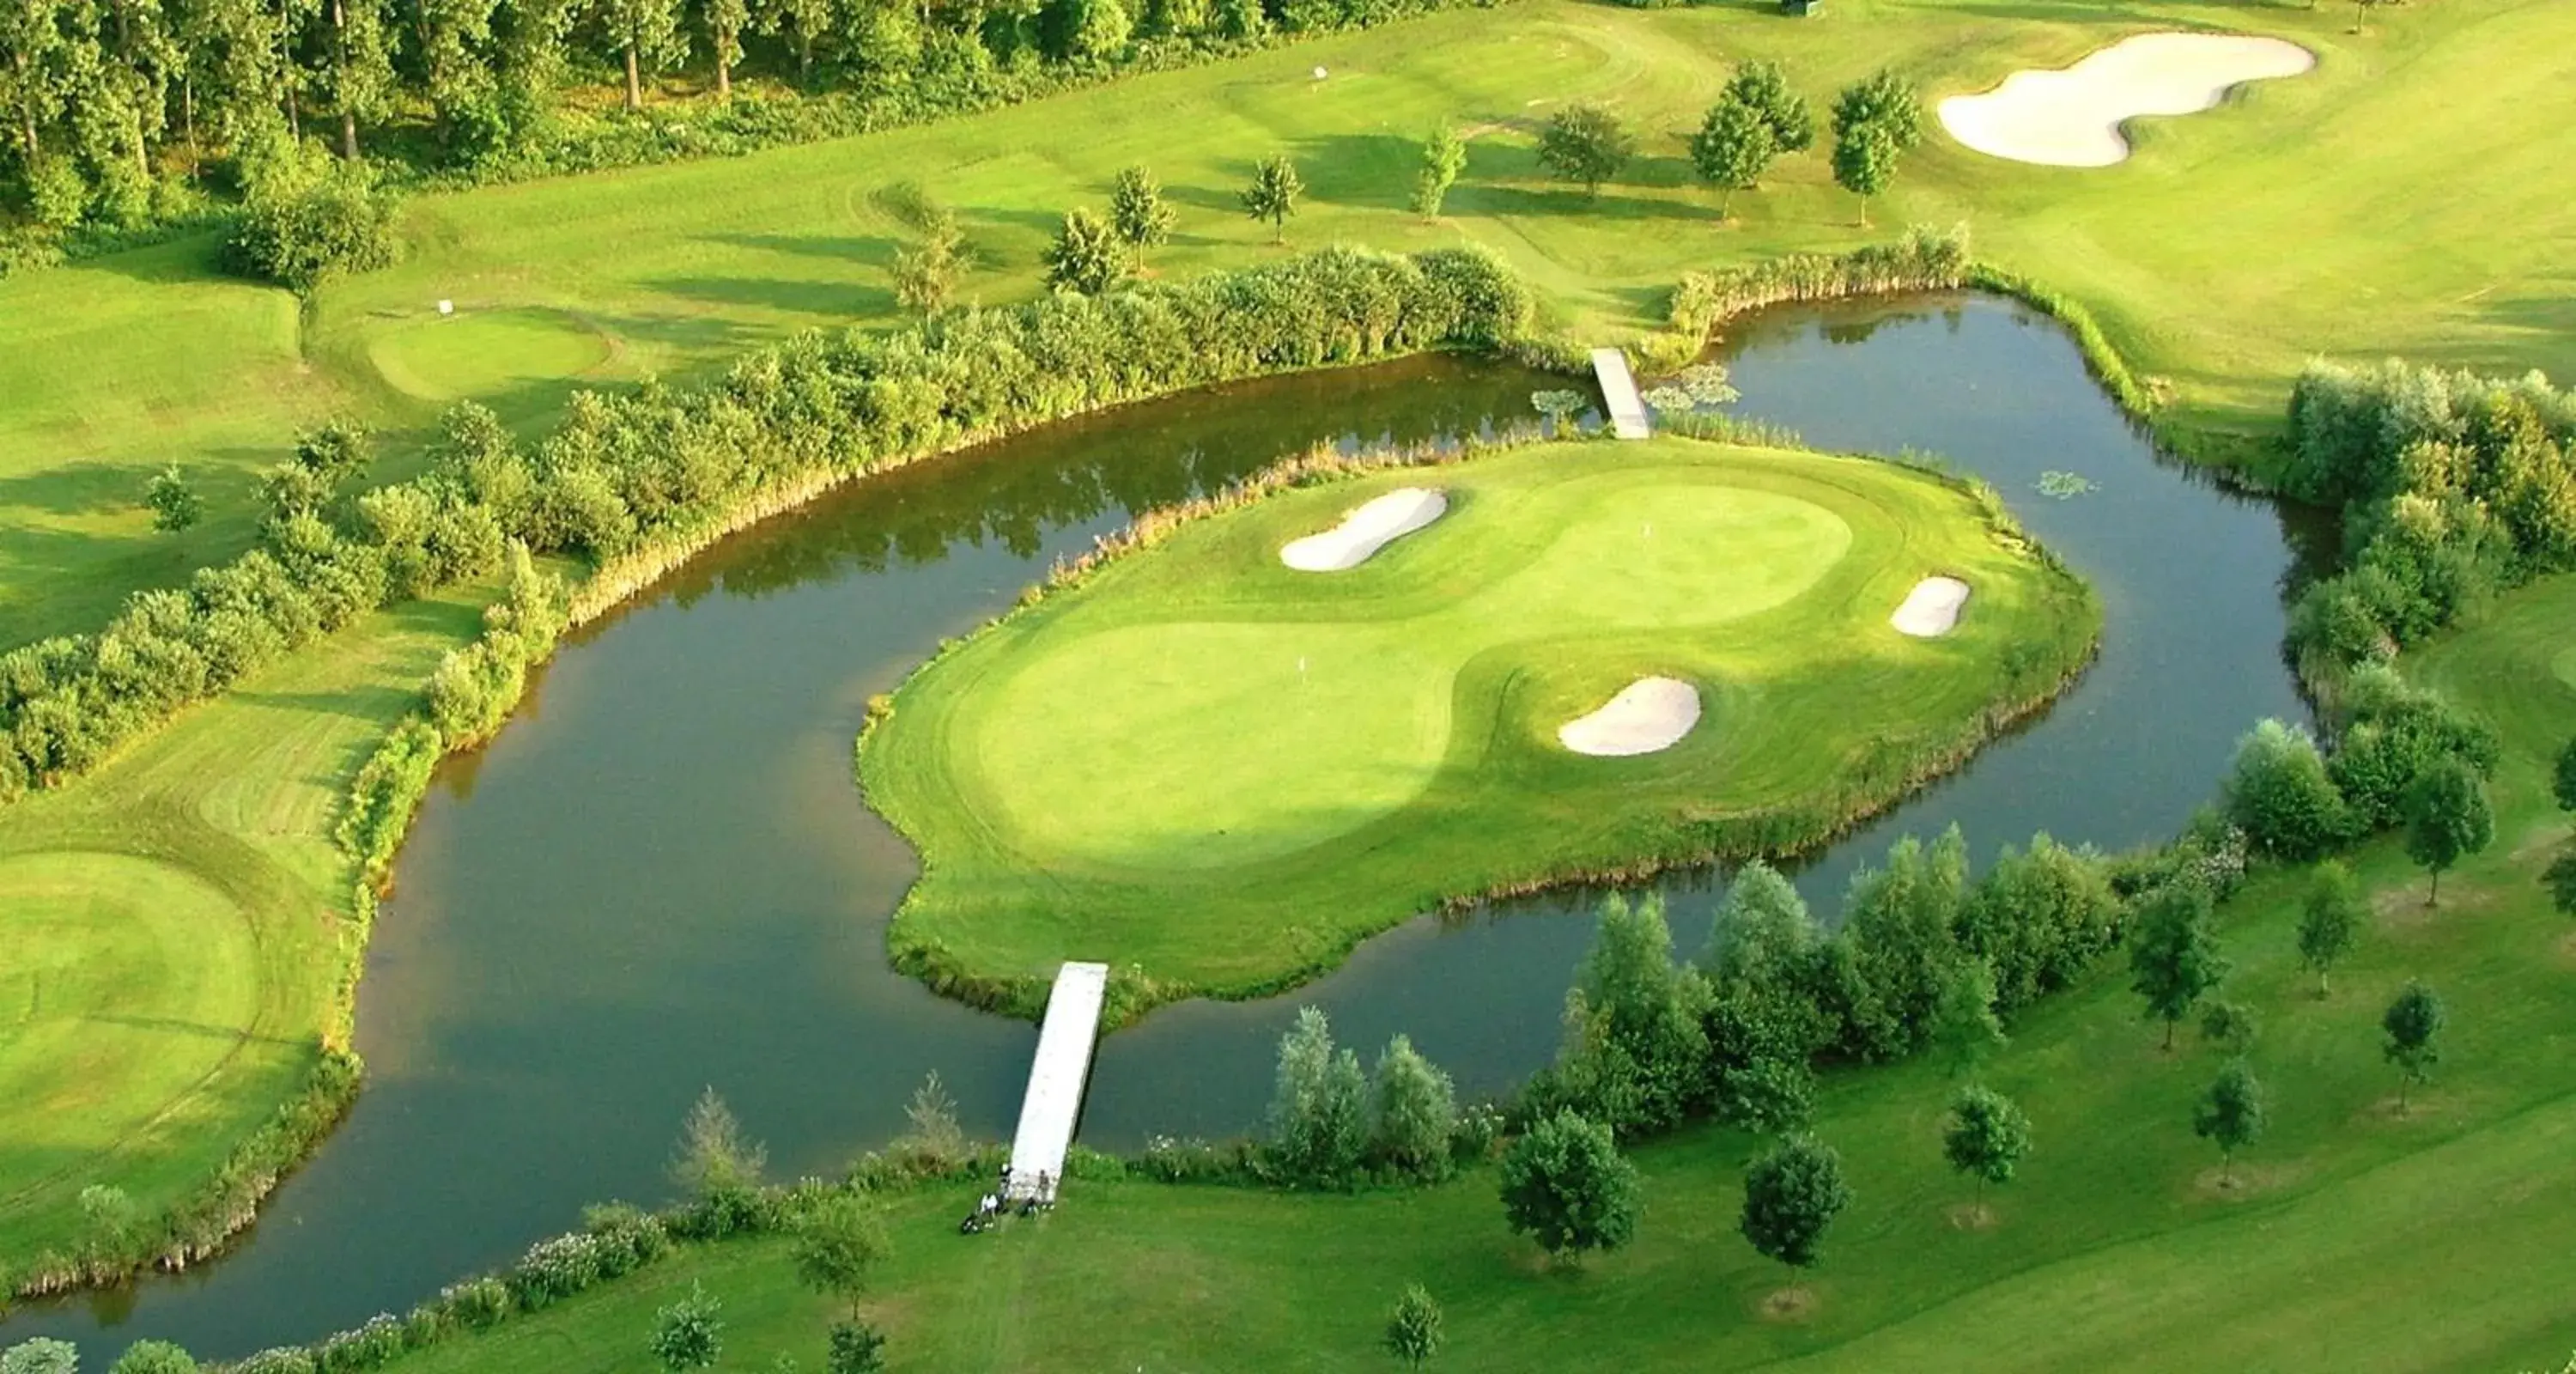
1254 733
1230 771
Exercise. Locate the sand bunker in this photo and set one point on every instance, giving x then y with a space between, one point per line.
1932 608
2072 118
1365 531
1649 714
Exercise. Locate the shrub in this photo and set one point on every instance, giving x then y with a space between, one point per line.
154 1357
302 237
2279 793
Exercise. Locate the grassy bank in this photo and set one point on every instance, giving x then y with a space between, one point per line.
1220 774
141 359
2360 1238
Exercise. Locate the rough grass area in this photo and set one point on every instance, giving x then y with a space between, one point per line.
1220 774
2298 215
2360 1239
176 925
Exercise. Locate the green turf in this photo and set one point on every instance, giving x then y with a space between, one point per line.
2360 1241
1225 772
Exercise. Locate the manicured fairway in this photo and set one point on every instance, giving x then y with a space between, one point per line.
2367 1241
1227 772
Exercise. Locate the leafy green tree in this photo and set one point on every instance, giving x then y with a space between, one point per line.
2447 819
2039 918
1900 924
2173 955
1273 193
838 1244
1566 1186
363 87
1444 156
2562 779
1986 1136
726 20
1137 208
1762 86
855 1348
687 1334
1884 101
646 36
1318 1126
338 450
1635 1050
925 277
2231 1115
1087 256
1416 1108
2231 1026
716 1160
174 504
801 22
2330 920
1585 142
1413 1327
1791 1195
2279 794
1965 1026
2560 879
41 1355
1731 149
2413 1027
154 1357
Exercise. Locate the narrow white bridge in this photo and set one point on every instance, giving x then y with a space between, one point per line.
1056 1079
1628 418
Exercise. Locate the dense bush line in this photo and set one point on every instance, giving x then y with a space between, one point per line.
638 479
1925 259
137 123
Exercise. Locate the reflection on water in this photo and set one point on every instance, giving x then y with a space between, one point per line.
660 878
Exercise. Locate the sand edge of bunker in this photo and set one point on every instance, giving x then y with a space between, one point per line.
2074 116
1367 528
1648 716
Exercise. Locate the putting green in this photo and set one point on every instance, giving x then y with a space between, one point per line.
1227 771
487 352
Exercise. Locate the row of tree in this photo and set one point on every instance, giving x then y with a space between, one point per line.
638 474
113 106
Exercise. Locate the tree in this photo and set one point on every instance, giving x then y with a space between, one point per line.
2230 1115
2173 956
41 1355
1900 925
2447 819
2278 792
1086 256
1762 86
715 1158
1413 1327
1139 212
1416 1109
362 81
837 1245
2562 779
726 20
2231 1026
855 1348
926 277
2330 921
1586 143
1884 101
1317 1112
646 34
1444 156
1566 1187
174 504
1986 1136
1273 192
1635 1053
2413 1024
686 1334
801 22
154 1357
1791 1195
2561 882
1965 1026
1864 162
1732 147
2361 13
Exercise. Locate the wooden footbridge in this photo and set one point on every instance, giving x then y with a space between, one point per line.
1058 1074
1627 409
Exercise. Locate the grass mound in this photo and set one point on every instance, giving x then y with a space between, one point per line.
1223 773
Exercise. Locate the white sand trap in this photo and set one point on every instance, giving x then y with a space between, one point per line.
1932 608
1365 531
1648 715
2072 118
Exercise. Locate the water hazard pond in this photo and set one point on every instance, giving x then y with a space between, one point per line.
660 877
